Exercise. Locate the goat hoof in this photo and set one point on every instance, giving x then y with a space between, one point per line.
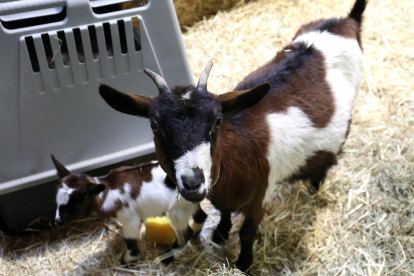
219 237
129 260
244 262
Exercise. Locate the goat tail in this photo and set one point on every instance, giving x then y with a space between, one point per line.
357 10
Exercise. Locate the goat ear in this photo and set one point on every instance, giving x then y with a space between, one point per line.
61 170
131 104
239 100
95 189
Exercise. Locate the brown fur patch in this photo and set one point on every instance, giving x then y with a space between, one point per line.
306 89
244 168
316 166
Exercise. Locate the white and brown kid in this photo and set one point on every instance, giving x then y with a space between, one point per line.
130 194
287 120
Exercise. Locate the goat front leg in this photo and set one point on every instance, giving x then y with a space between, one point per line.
131 224
221 233
247 235
199 218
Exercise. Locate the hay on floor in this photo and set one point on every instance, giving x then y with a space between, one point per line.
362 220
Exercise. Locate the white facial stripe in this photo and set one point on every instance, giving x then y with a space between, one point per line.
62 197
197 157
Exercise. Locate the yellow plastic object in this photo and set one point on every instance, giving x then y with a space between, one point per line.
159 230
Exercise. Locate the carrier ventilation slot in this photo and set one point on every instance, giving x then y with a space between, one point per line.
34 21
136 33
79 46
94 42
108 39
64 48
32 54
48 51
122 36
118 6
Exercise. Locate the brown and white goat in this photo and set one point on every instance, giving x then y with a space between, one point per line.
287 120
129 194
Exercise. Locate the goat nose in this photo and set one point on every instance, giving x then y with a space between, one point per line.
194 181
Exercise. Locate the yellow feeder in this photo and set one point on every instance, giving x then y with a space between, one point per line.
159 230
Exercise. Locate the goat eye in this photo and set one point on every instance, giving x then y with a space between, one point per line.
218 123
154 126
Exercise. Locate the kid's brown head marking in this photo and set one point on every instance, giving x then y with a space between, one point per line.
75 194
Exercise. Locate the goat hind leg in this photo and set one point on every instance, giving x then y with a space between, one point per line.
131 224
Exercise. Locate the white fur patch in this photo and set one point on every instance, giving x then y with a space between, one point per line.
154 199
128 258
196 226
293 137
62 198
111 199
131 222
197 157
187 95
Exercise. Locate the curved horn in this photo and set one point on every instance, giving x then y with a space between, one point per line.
158 80
202 82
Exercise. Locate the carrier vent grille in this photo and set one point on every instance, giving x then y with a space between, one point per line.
74 56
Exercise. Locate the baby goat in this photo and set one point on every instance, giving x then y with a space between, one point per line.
130 194
287 120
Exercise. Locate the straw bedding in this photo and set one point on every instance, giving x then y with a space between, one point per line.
362 220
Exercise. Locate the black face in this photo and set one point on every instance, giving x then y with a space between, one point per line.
186 122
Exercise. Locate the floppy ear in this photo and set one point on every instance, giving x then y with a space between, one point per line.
61 170
131 104
239 100
95 189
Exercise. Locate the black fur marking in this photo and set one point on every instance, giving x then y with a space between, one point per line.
357 10
200 216
247 236
221 233
169 183
280 72
132 247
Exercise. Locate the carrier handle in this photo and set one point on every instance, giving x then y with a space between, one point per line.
29 5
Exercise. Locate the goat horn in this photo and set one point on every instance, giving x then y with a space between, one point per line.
202 82
158 80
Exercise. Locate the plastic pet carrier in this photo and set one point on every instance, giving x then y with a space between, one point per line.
53 56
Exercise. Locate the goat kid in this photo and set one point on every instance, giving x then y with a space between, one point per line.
130 194
241 146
